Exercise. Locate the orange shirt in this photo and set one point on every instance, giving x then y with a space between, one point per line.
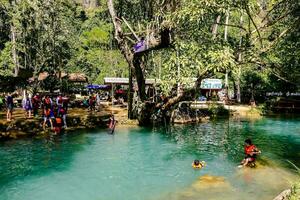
249 149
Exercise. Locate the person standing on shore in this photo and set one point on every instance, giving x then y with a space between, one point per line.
59 102
9 106
98 102
27 105
36 104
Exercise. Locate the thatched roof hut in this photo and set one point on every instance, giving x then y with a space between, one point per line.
72 77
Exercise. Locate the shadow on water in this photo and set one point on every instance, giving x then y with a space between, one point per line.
35 157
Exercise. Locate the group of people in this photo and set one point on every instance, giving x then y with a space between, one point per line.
93 102
54 113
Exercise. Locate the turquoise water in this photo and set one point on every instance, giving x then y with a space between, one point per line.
138 163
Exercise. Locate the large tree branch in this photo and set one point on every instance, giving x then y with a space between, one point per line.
125 49
282 78
232 25
254 24
282 34
272 9
186 94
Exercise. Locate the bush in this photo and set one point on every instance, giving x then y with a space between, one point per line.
295 195
217 110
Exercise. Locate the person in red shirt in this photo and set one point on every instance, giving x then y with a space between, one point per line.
47 117
250 151
57 125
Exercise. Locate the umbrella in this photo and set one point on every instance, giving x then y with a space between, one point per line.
98 87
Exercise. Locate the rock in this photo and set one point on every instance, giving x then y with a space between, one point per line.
283 195
208 181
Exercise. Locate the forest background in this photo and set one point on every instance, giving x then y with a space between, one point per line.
254 44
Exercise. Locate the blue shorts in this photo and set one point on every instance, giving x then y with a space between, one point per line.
51 114
10 107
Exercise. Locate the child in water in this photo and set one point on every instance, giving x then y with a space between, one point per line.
198 164
57 125
251 151
112 123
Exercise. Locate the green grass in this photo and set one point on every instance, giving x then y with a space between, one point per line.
295 193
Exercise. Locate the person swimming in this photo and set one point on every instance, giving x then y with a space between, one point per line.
112 124
197 164
251 151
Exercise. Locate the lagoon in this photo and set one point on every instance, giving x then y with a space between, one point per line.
149 164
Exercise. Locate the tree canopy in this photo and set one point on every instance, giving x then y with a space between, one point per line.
252 42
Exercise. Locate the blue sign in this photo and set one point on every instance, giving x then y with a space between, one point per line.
211 84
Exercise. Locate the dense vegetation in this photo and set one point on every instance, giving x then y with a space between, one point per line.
255 43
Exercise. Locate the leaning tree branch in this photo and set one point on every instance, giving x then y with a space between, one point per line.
119 36
254 24
282 78
272 9
186 94
232 25
282 34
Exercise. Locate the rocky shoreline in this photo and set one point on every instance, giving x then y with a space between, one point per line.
22 128
285 195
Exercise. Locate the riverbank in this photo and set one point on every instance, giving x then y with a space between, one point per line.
77 119
80 118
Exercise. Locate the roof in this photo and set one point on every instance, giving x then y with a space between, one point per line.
74 77
78 77
125 81
42 76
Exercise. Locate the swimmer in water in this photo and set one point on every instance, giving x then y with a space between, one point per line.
198 164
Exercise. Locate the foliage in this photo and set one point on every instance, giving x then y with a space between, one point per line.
215 110
259 52
57 35
6 61
295 191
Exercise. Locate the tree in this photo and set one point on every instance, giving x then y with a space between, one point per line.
200 50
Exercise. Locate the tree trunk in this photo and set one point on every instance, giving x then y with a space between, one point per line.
238 94
132 60
137 63
130 95
135 60
215 27
14 50
225 38
125 50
